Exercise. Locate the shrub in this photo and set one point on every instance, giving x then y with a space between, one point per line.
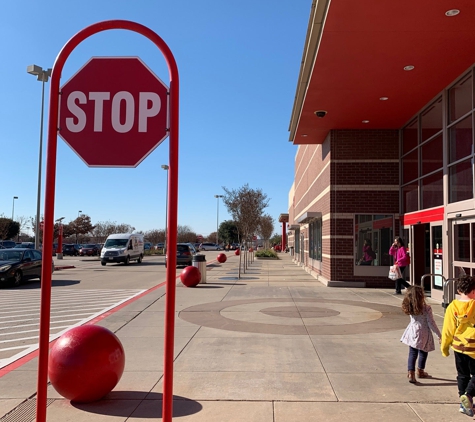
266 253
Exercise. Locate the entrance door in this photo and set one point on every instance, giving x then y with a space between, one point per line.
463 247
419 251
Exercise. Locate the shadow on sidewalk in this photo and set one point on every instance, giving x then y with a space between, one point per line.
149 408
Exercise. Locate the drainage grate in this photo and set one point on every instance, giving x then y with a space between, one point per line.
25 412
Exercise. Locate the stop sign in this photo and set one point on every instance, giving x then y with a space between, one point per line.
113 112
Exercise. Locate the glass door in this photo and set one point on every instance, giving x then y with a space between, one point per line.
463 247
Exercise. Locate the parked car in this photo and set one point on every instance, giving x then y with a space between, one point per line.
71 249
7 243
19 264
184 254
207 246
147 246
89 250
27 245
159 246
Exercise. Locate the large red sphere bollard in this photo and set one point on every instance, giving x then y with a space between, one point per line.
237 252
222 258
86 363
251 250
190 276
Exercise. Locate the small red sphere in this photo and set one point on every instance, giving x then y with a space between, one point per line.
237 252
250 249
190 276
222 258
86 363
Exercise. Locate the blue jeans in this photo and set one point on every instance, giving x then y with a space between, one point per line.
413 354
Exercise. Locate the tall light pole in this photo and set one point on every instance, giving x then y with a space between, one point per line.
13 207
165 167
79 212
217 216
42 76
59 250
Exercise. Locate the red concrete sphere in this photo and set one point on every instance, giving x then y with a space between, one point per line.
250 249
86 363
237 252
222 258
190 276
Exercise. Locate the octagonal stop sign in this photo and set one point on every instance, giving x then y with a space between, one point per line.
113 112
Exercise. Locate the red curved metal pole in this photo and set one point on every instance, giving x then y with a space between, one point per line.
45 309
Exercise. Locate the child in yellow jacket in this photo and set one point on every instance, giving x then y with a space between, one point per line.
458 332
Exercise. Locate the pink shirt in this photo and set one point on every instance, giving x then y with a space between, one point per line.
401 258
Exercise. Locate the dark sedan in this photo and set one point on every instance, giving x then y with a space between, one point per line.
89 250
184 254
19 264
71 249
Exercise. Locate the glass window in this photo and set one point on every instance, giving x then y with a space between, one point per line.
462 242
410 197
437 249
315 239
432 191
432 155
460 140
373 238
461 181
410 167
297 241
431 120
460 99
409 137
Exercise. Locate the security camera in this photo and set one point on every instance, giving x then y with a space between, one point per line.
321 113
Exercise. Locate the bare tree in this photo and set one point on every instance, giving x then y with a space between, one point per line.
246 206
266 228
155 236
185 234
103 229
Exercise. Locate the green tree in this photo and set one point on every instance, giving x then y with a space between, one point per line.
276 238
9 229
229 232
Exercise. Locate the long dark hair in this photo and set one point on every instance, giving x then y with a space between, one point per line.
414 301
400 241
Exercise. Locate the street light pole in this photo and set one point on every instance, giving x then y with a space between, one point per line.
165 167
59 250
42 76
13 207
79 212
217 216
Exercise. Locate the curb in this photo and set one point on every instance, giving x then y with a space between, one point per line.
65 267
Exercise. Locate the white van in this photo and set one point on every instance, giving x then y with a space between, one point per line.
123 247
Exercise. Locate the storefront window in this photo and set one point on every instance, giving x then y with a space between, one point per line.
431 120
409 167
460 140
461 181
432 191
462 242
409 137
375 232
410 197
460 99
315 239
432 155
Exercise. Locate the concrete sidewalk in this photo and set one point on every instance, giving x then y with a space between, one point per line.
272 346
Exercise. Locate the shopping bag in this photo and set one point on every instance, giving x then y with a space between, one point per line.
394 272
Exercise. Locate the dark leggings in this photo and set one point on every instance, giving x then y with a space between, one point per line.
465 373
411 360
401 281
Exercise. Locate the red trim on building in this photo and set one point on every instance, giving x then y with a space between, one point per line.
427 216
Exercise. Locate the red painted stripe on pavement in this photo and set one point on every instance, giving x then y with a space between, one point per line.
14 365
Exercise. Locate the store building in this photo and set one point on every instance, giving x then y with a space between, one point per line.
383 119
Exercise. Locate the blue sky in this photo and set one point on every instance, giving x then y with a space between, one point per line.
238 64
